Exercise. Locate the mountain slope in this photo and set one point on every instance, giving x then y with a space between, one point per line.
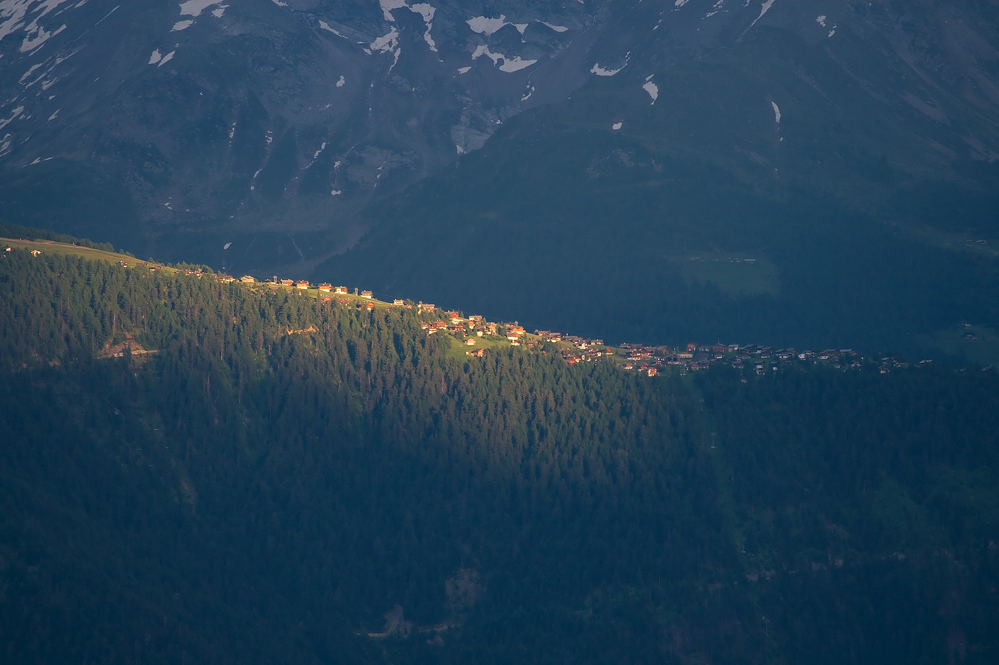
608 213
270 125
286 480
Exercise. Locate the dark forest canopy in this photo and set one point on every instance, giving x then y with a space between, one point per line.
278 479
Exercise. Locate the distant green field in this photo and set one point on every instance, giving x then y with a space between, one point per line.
730 272
48 246
977 344
956 241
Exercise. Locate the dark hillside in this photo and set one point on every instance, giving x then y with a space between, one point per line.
263 477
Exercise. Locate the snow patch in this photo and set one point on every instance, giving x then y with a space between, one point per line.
487 26
217 13
718 6
763 10
652 89
34 39
464 70
167 58
195 7
680 3
54 115
387 7
13 12
155 57
341 82
831 33
336 192
556 28
427 13
12 118
776 111
600 71
821 20
617 125
325 26
28 73
181 25
510 65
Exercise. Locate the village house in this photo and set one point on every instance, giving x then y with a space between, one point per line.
427 307
325 287
398 302
226 279
341 290
478 353
247 279
302 284
35 252
366 294
469 342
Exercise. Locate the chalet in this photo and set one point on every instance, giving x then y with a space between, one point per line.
478 353
469 342
341 290
475 318
7 250
369 306
302 284
366 294
226 279
427 307
287 282
514 330
247 279
719 349
398 302
691 348
324 298
35 252
325 287
652 371
686 355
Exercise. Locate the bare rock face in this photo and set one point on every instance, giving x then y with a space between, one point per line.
174 128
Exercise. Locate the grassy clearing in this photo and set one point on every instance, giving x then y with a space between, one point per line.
50 247
977 344
954 241
730 272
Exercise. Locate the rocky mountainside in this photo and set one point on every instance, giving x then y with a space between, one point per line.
179 127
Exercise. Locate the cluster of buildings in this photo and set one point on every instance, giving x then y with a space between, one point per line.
761 358
649 360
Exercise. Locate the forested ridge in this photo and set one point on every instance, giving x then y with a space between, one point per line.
281 479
